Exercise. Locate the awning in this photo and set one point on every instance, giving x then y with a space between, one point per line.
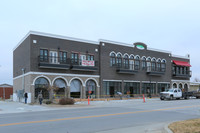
181 63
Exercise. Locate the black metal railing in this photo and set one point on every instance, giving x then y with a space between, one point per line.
127 66
53 60
155 69
184 74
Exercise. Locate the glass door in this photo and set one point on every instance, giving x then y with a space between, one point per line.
53 57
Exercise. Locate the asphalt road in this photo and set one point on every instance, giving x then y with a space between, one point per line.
104 118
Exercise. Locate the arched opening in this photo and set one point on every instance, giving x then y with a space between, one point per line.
180 86
159 65
91 89
153 64
119 60
186 87
174 85
42 86
126 62
137 63
163 65
143 63
59 88
131 62
148 64
112 60
75 88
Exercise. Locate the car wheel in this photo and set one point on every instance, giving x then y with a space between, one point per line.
171 97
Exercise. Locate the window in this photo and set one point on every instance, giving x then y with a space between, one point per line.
137 63
131 62
44 55
153 64
148 64
143 63
63 57
74 58
159 65
126 62
119 60
112 59
90 57
163 66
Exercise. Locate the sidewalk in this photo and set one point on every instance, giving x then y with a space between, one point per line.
17 107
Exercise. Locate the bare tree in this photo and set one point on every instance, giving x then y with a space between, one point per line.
196 80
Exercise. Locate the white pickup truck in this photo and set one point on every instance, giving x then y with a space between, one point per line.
173 93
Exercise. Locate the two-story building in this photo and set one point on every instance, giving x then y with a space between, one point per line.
77 68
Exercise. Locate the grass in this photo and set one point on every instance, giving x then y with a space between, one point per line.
188 126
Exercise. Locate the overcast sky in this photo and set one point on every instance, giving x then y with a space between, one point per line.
172 25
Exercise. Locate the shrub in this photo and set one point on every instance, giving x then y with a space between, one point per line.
48 102
66 101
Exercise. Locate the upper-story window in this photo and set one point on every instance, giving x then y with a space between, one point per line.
131 62
62 57
153 64
74 58
44 55
90 57
119 60
159 65
137 63
163 65
126 61
143 63
112 59
148 64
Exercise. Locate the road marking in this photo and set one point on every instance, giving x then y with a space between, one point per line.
84 117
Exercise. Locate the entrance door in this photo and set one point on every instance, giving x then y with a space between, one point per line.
131 91
53 57
112 92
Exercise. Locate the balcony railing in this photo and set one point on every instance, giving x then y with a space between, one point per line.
54 62
127 69
155 71
184 74
66 63
84 65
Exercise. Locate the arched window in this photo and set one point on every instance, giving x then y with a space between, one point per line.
159 65
91 88
137 63
163 66
186 87
126 62
42 86
148 64
119 60
174 85
112 59
59 88
180 86
131 62
75 88
153 64
143 63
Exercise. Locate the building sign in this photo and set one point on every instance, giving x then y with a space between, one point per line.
87 63
140 46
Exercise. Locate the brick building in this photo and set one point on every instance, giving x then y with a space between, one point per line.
77 68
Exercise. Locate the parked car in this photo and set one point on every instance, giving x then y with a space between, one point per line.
174 93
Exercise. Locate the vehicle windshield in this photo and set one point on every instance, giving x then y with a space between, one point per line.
170 90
